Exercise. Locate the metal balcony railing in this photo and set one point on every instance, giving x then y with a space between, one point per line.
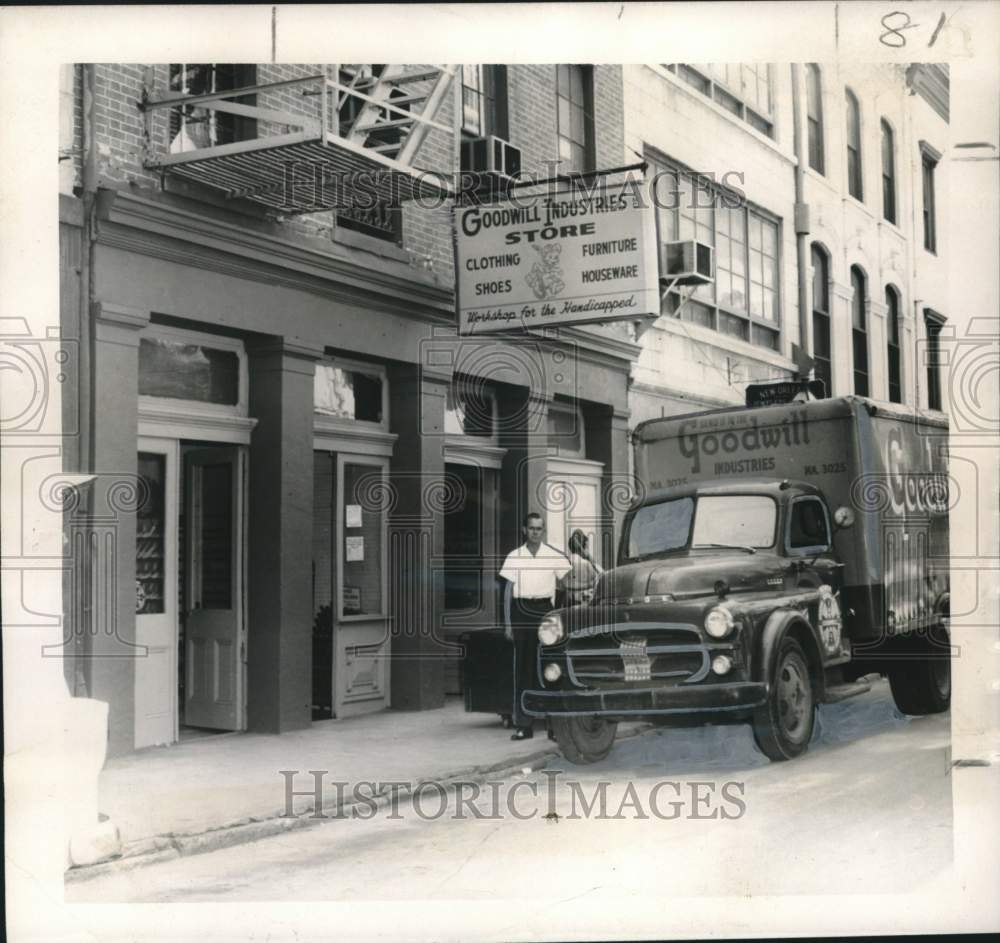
348 143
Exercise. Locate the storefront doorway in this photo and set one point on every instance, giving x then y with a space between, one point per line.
470 555
350 606
190 611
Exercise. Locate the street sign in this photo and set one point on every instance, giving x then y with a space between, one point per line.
783 391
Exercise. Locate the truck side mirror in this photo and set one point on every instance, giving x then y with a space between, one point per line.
843 517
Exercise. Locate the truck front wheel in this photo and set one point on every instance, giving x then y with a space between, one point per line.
584 739
921 683
783 725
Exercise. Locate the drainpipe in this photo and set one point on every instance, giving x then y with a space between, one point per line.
801 216
89 197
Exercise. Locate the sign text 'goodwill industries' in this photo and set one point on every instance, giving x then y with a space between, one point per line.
565 258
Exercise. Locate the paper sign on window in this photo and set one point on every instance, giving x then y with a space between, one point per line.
352 516
354 549
352 599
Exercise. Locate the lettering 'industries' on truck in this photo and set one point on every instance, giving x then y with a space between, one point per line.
774 557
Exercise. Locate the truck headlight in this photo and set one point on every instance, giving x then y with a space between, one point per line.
719 622
550 629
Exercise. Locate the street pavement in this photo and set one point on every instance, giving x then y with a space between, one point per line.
868 810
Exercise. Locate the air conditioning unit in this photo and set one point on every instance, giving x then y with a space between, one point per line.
687 262
491 155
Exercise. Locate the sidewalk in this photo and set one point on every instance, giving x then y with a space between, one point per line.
222 790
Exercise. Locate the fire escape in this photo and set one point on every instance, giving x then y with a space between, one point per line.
341 137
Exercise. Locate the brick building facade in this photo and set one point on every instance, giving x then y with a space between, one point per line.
303 482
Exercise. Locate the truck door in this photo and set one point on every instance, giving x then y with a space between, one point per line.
809 546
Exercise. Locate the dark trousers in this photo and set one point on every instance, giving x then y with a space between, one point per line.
525 614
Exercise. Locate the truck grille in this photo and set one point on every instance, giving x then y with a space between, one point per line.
671 656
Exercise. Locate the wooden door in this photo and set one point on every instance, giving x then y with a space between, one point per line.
214 652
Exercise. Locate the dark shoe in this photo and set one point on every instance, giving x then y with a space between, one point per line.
522 733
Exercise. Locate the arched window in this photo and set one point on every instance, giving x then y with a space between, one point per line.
888 173
814 113
859 329
821 316
854 147
893 343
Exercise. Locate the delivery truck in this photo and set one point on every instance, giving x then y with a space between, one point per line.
774 559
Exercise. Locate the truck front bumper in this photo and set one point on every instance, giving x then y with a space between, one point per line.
708 698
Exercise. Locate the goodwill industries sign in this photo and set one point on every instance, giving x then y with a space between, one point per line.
556 259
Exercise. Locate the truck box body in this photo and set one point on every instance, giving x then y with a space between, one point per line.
886 463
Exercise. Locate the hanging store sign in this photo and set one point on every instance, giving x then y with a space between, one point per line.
556 259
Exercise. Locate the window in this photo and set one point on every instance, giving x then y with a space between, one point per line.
808 527
484 100
928 165
893 344
821 317
470 410
859 330
814 113
361 558
192 126
854 147
888 173
150 531
174 369
349 393
565 429
744 520
575 117
742 88
933 323
745 300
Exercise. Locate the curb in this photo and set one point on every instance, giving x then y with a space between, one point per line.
161 848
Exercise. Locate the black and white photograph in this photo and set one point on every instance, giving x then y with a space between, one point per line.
508 498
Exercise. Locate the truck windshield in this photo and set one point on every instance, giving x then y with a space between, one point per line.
737 520
741 520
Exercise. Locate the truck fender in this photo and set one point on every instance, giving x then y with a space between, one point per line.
790 621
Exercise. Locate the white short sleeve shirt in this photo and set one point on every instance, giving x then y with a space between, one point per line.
534 575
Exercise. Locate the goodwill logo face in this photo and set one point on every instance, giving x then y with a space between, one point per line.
566 258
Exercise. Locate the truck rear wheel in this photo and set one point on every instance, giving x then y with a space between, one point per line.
783 725
584 739
921 683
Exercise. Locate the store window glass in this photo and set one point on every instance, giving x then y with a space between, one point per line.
361 553
469 412
149 535
178 370
565 429
348 393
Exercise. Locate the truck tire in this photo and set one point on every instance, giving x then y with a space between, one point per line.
584 739
783 725
923 685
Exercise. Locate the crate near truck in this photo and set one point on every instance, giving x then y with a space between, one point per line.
774 558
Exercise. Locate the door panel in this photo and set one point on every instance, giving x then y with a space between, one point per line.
213 624
361 631
156 594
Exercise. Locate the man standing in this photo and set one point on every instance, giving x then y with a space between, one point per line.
533 573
